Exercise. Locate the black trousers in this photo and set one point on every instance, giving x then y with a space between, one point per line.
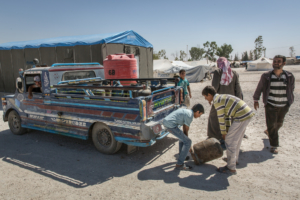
213 127
274 119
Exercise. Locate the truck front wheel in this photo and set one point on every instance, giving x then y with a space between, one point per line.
14 122
104 140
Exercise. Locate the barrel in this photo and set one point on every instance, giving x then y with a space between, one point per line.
207 150
121 66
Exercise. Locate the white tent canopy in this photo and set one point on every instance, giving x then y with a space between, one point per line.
167 69
200 62
261 64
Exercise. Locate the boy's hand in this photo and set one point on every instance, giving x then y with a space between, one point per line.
223 136
190 95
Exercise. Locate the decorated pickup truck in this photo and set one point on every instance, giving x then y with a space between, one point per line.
85 107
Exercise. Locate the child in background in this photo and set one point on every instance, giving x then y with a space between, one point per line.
186 88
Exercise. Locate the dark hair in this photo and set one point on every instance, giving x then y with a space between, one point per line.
198 107
209 90
182 70
280 56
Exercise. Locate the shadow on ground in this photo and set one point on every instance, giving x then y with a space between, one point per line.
72 161
205 177
247 157
78 164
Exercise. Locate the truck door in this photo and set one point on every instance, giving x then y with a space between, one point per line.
34 106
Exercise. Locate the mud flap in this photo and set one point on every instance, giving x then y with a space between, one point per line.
131 149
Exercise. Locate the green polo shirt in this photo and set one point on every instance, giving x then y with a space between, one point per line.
184 83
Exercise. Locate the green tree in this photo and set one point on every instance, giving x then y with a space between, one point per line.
182 55
155 56
251 56
224 51
245 56
259 48
162 54
196 53
175 55
236 57
159 55
210 50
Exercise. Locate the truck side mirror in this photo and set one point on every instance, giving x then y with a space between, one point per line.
19 85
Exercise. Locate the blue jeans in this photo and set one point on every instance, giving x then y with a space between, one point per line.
184 144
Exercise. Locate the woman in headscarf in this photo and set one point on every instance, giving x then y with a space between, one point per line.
225 81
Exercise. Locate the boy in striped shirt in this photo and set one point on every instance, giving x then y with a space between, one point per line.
277 87
230 107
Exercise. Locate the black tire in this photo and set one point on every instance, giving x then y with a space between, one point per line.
14 123
104 140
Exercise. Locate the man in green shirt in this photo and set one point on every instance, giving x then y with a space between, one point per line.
186 87
230 108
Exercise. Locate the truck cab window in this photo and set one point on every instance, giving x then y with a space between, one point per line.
33 81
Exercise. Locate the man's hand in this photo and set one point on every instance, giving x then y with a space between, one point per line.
186 130
191 150
256 105
190 95
29 96
223 136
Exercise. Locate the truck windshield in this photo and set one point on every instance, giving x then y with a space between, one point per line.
78 75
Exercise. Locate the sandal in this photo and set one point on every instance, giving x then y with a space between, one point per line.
184 167
246 136
274 150
225 159
226 170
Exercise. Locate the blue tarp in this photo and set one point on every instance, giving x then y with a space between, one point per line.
127 37
246 61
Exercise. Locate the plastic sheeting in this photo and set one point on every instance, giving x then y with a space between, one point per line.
261 64
127 37
167 69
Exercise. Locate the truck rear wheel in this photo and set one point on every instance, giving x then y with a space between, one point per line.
14 122
104 140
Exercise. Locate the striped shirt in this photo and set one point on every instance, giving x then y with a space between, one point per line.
228 107
277 96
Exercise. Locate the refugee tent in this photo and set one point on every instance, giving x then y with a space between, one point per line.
72 49
200 62
261 64
167 69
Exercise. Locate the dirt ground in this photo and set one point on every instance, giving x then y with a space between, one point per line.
42 165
